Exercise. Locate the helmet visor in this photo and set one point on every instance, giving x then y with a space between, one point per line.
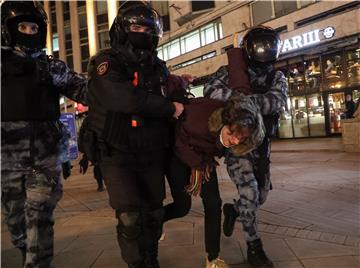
144 20
264 47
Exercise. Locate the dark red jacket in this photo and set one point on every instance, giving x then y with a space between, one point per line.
195 144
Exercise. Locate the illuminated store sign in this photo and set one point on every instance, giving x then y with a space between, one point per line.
307 39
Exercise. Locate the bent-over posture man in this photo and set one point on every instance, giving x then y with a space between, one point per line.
251 172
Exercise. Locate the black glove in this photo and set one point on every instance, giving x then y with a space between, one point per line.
66 168
84 163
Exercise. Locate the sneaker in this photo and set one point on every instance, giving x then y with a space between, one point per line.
256 256
217 263
230 216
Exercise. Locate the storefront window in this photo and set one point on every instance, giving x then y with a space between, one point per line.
296 77
351 103
353 67
333 71
285 125
337 110
356 96
299 115
312 74
316 115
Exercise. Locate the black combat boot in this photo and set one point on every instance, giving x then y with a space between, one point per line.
230 216
152 230
256 256
100 185
151 258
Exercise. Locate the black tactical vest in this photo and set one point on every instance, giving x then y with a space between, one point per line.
130 133
27 91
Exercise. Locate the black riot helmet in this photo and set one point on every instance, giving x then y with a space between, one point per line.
13 12
262 45
140 14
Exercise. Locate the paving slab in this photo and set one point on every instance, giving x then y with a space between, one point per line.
109 259
278 250
315 197
305 249
332 262
288 264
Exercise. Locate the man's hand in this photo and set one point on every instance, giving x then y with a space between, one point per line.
66 169
179 108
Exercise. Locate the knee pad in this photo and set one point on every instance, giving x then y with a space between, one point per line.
154 217
129 226
153 220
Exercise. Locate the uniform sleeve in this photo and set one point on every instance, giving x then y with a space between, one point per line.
120 95
273 100
71 84
175 89
237 68
217 87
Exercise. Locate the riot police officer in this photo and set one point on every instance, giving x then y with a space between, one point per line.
128 118
251 172
31 133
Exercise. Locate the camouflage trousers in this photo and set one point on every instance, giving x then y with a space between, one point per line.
30 188
242 171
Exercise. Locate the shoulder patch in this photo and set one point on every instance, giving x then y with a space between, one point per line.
102 68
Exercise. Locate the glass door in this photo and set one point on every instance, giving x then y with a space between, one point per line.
316 115
336 111
299 116
285 122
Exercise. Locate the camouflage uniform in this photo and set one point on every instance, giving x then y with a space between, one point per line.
244 169
31 168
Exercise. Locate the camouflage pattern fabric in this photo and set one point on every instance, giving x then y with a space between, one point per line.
70 83
31 186
64 144
242 169
31 155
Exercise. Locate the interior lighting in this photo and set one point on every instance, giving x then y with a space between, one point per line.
112 11
91 27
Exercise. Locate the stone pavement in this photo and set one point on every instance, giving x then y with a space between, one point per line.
311 218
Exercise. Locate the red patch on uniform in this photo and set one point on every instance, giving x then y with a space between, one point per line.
102 68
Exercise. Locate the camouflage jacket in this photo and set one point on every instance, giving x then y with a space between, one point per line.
46 133
270 98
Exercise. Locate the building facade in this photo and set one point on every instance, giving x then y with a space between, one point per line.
320 54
